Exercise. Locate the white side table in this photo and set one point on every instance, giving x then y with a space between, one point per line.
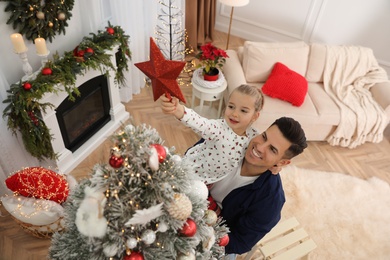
207 94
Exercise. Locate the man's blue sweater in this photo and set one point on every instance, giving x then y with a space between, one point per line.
251 211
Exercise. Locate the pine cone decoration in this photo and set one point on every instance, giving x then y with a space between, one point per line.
181 207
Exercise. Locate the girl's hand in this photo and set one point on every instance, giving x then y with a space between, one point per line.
171 106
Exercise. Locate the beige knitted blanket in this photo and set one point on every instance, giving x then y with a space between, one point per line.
349 73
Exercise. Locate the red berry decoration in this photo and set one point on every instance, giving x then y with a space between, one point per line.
223 241
189 228
134 256
116 162
89 50
27 86
110 30
161 152
47 71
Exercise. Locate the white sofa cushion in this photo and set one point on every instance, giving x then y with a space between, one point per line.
260 57
317 58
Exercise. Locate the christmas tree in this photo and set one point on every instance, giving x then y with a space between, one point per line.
143 204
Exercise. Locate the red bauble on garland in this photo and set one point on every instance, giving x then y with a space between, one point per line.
223 241
134 256
110 30
189 228
47 71
116 162
80 53
27 86
161 152
89 50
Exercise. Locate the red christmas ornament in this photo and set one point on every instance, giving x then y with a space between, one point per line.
80 53
89 50
47 71
223 241
163 73
27 86
161 152
110 30
189 228
116 162
134 256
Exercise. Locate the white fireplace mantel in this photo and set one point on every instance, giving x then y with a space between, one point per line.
68 160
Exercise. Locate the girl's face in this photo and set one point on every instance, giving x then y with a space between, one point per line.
240 112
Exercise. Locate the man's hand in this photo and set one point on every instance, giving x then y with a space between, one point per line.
171 105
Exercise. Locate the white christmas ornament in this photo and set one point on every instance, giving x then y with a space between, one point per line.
144 216
148 236
89 216
210 217
199 190
162 227
131 242
176 158
153 159
110 250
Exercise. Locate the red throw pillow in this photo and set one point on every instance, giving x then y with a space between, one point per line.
40 183
286 85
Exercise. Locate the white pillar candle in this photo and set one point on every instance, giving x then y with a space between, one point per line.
18 43
40 45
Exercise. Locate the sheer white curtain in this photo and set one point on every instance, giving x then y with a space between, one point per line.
138 19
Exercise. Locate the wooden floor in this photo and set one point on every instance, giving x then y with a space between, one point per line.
365 161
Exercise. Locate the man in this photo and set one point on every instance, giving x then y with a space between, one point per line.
252 197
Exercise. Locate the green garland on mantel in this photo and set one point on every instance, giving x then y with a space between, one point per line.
24 110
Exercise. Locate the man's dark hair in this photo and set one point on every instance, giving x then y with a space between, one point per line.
293 132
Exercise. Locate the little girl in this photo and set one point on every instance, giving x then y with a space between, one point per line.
225 140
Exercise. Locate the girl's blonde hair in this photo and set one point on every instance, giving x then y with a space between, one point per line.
253 92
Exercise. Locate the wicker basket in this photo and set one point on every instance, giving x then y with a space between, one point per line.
44 231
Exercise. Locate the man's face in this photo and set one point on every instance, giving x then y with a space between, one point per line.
267 149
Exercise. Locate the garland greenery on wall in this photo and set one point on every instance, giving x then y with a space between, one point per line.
24 109
39 18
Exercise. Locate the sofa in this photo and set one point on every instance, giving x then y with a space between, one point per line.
321 81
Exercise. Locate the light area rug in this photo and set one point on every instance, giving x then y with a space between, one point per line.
347 217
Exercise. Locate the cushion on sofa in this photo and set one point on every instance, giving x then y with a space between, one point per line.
286 84
317 58
260 57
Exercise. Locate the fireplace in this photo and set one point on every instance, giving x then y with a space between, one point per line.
82 118
79 127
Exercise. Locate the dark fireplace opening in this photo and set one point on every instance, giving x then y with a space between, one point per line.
79 120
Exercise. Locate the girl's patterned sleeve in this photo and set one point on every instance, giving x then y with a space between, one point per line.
207 128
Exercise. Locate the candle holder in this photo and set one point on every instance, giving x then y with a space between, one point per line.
44 59
27 69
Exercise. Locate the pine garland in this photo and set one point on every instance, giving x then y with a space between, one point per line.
24 109
37 18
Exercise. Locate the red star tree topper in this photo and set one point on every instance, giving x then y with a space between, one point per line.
163 73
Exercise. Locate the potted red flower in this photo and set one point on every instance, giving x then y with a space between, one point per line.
211 59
